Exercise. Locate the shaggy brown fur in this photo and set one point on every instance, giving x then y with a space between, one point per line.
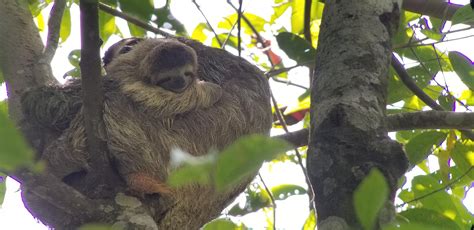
145 120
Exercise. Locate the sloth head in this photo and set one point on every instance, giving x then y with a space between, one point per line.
166 63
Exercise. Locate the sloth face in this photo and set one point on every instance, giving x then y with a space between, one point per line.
166 63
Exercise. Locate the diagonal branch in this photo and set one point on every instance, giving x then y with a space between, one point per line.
208 23
54 27
133 20
410 84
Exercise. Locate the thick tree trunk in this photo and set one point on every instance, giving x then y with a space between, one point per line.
20 53
348 134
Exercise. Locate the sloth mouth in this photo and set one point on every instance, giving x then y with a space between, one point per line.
176 84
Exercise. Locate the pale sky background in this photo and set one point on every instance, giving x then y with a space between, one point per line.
292 212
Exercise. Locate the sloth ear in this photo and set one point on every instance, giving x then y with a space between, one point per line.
121 47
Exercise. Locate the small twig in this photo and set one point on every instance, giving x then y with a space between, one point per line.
307 20
297 153
133 20
448 185
275 72
438 42
417 42
54 27
410 84
272 199
239 28
254 30
287 82
229 34
208 23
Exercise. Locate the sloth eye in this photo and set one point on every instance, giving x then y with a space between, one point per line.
125 49
188 74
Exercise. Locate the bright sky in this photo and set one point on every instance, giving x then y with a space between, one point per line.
292 212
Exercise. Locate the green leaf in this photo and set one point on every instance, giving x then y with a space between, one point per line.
464 14
257 22
244 157
256 199
369 197
420 146
412 226
310 223
468 96
165 19
198 33
3 187
429 217
107 26
142 9
36 7
278 10
297 14
432 60
283 191
136 31
397 91
448 102
296 47
14 151
463 67
74 58
432 34
65 29
222 224
463 155
190 174
440 201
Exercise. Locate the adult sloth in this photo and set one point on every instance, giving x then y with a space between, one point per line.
158 96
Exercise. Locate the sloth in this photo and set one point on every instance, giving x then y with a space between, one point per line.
159 94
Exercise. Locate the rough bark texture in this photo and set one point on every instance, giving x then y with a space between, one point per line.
20 60
348 135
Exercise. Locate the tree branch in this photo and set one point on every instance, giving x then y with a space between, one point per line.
403 121
437 9
20 48
430 120
51 190
307 20
54 27
93 101
133 20
410 84
208 23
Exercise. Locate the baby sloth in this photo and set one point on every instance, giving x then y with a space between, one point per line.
168 64
157 81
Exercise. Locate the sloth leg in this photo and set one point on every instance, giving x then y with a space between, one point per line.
143 183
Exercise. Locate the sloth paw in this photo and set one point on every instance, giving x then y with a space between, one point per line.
142 184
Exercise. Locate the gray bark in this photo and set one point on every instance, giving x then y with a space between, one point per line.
348 135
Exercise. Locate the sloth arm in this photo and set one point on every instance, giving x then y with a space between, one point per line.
128 142
164 103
